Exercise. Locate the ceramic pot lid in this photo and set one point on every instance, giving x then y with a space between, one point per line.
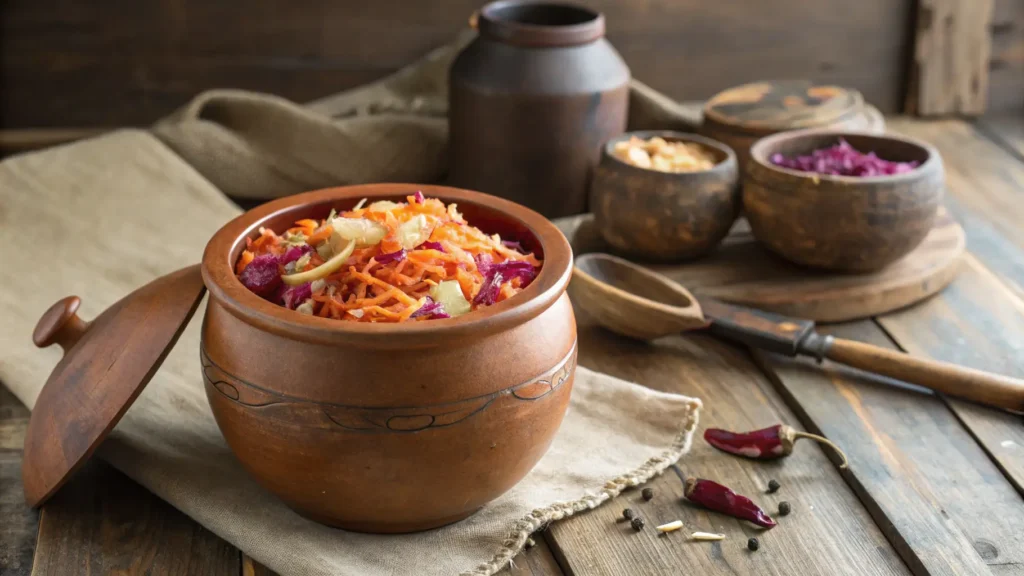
782 105
106 364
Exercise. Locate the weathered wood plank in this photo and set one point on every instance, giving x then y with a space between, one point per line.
535 561
1007 130
251 567
979 320
18 523
1006 66
121 62
829 531
976 322
946 508
949 74
101 522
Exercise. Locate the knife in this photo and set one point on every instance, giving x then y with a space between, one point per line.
796 337
634 301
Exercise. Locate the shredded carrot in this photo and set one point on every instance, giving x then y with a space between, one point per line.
366 290
320 235
506 291
244 260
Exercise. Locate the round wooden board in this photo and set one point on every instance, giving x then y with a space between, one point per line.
742 272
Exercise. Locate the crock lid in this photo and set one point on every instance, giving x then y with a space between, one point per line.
106 364
539 23
782 105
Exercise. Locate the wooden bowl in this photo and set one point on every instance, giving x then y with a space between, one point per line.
664 216
389 427
841 223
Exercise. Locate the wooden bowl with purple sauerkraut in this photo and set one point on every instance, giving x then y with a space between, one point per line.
842 201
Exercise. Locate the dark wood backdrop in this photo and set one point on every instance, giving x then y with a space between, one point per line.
1006 66
128 62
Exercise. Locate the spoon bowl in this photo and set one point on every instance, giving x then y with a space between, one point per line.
631 300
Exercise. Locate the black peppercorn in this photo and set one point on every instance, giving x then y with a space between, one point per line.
784 508
773 486
628 514
647 493
753 544
638 523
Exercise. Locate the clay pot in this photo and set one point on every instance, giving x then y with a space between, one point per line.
370 427
842 223
531 101
665 216
389 427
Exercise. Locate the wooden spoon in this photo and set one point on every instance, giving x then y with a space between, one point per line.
636 302
631 300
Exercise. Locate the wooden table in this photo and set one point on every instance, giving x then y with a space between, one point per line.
935 485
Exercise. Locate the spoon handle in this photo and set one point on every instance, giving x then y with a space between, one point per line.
967 383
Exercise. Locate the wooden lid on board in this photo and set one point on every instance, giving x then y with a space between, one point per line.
740 116
767 107
106 364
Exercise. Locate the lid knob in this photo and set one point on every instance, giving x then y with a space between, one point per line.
60 325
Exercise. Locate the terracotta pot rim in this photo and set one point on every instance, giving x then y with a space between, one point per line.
225 288
764 147
722 166
492 25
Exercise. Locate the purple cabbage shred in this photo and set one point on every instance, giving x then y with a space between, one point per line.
431 309
262 276
843 160
490 289
419 197
431 246
514 245
497 274
294 253
509 269
293 296
391 257
484 262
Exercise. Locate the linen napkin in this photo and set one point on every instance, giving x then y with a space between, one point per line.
102 217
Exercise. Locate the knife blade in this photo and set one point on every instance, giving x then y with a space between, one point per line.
764 330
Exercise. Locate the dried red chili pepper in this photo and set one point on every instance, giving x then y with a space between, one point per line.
714 496
772 442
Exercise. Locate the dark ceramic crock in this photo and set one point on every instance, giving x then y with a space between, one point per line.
531 100
389 427
842 223
665 216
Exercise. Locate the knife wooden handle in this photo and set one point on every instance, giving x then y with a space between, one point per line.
967 383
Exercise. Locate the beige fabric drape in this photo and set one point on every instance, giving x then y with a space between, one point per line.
257 146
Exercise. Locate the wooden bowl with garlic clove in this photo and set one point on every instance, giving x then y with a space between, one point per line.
651 214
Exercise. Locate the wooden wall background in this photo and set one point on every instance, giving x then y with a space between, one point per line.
1006 66
127 62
